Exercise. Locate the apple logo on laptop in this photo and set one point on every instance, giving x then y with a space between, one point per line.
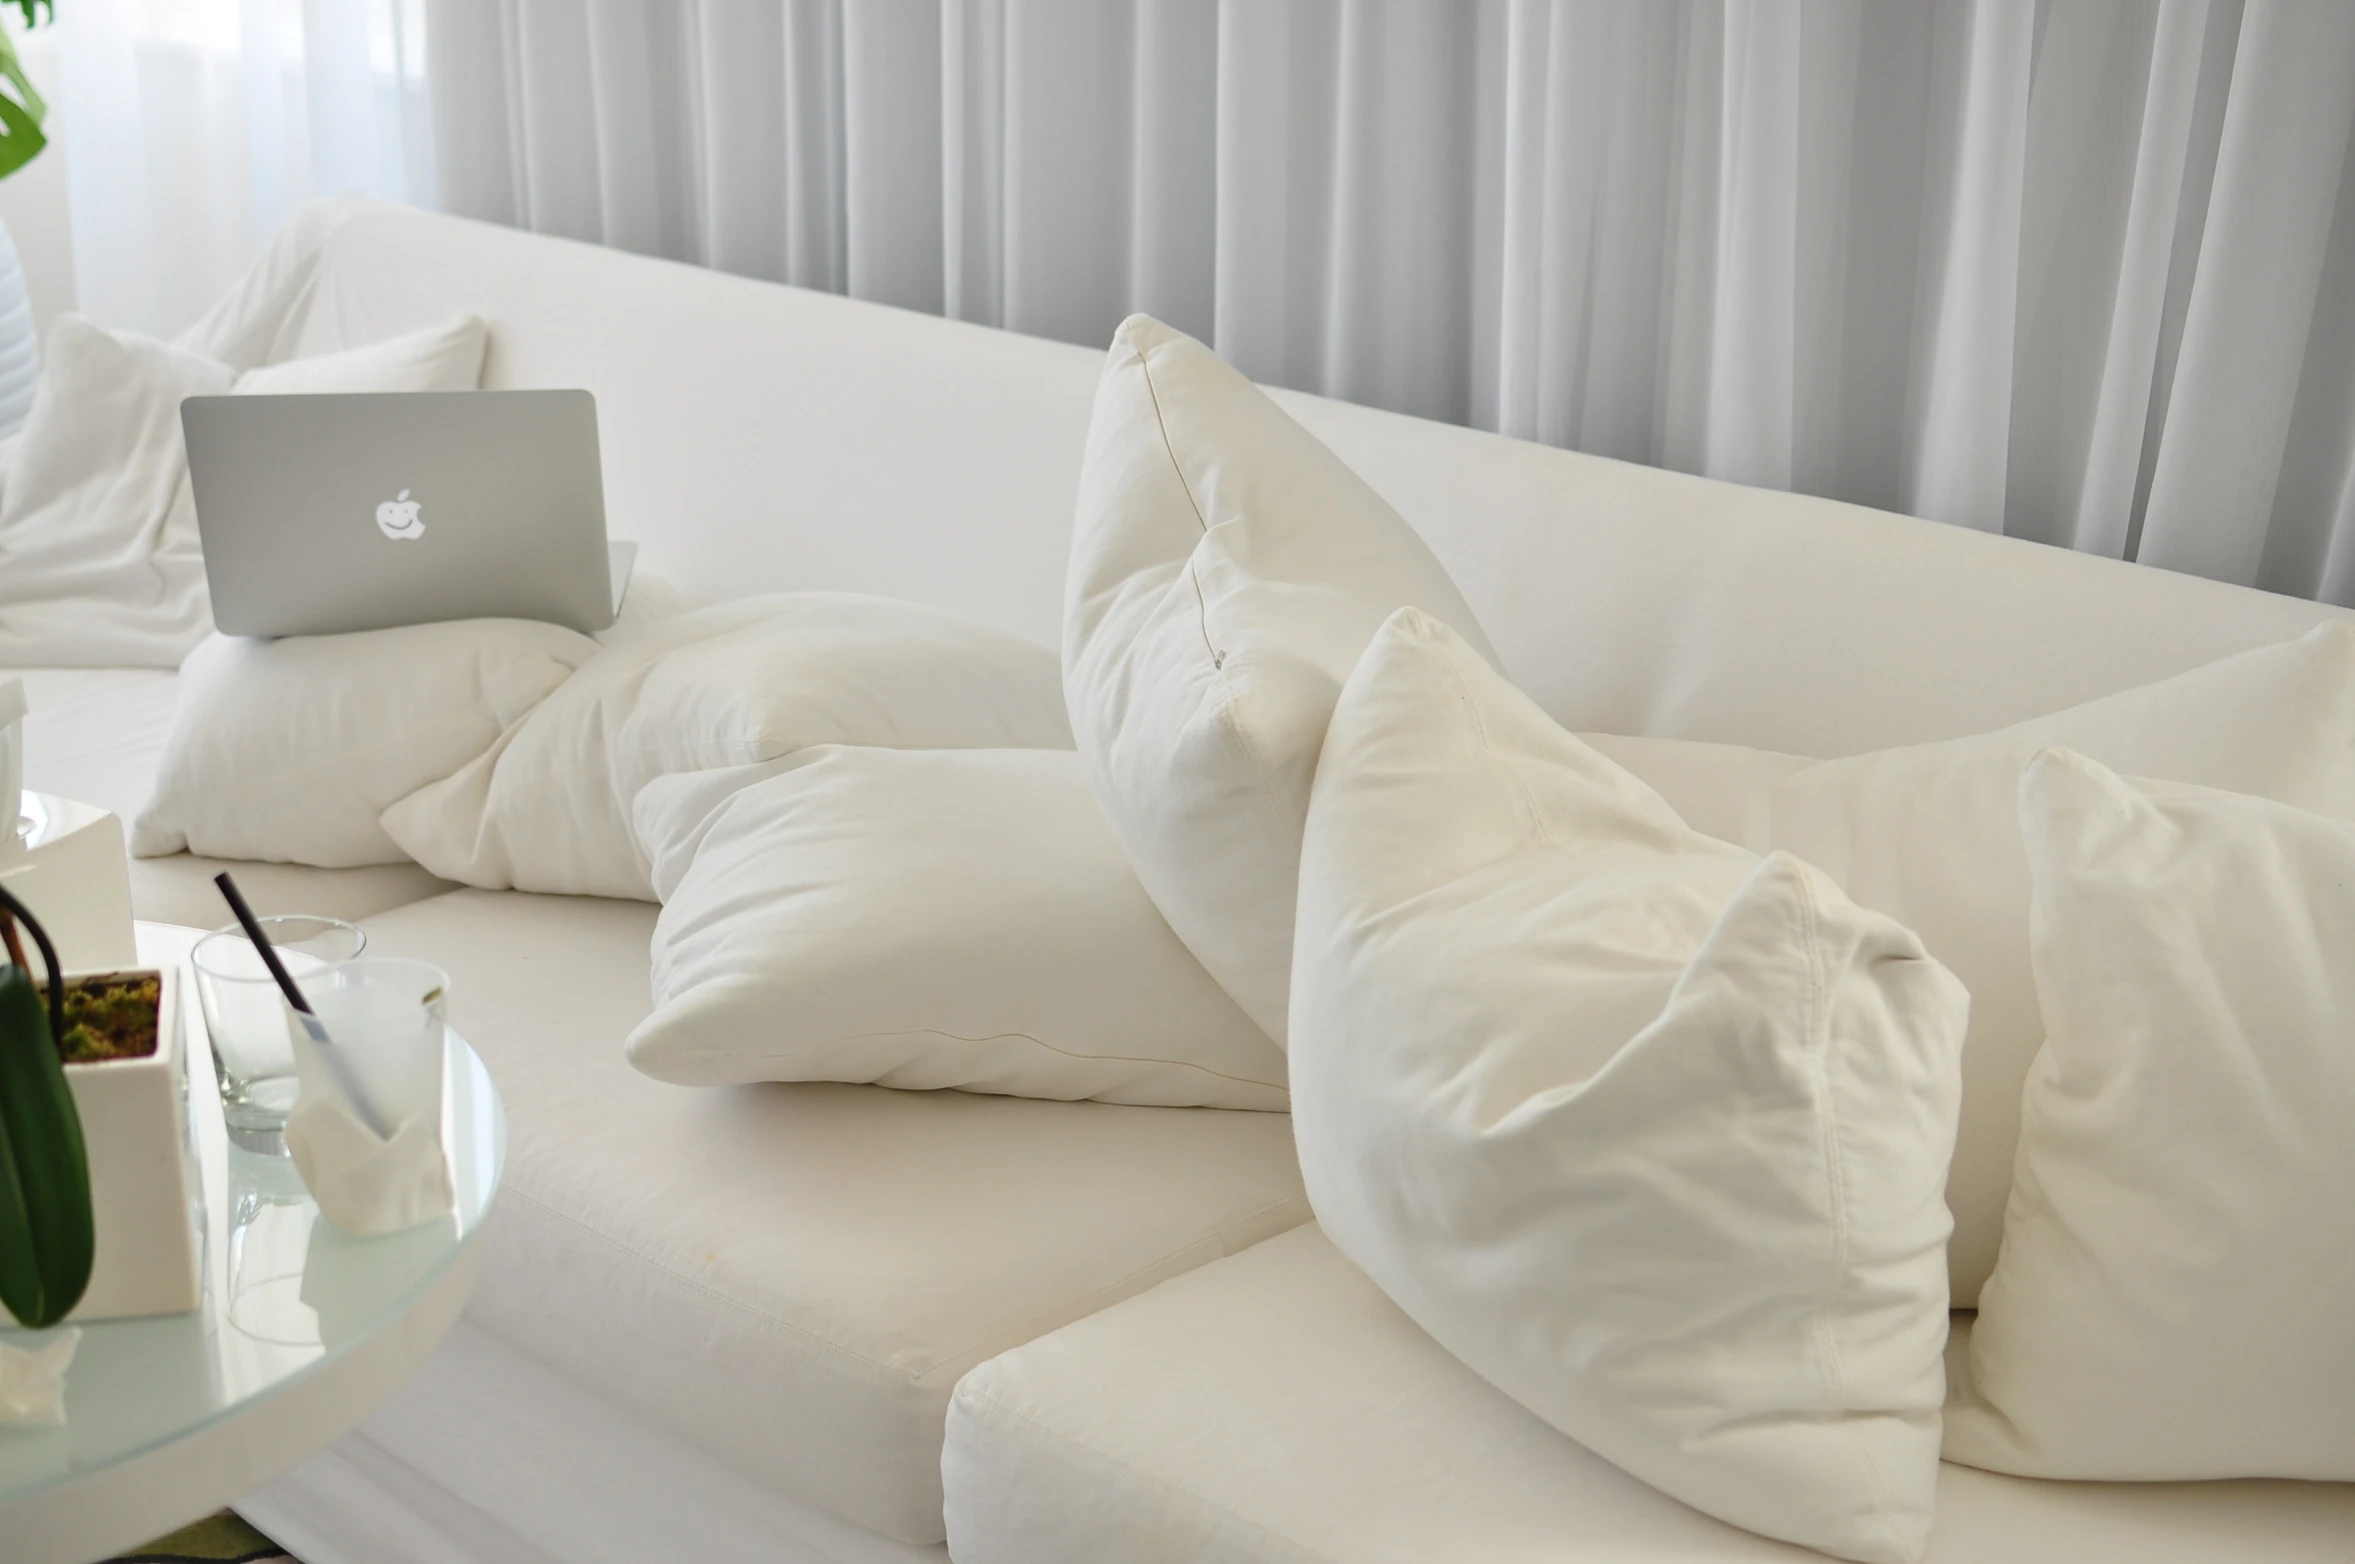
397 518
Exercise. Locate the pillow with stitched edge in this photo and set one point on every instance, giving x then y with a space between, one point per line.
1647 1130
1226 571
925 919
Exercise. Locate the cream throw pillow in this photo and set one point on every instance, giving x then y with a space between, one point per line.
100 563
288 751
1930 835
1226 570
2176 1293
547 807
1648 1131
926 919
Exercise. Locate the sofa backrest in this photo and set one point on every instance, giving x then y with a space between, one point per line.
764 438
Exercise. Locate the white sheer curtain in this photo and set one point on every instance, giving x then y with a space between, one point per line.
2081 270
191 128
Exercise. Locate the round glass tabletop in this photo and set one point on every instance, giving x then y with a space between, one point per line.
286 1297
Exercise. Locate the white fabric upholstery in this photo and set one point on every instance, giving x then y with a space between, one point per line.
97 735
762 439
759 438
1275 1408
793 1278
487 1455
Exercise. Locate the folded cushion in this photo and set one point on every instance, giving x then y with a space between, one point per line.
1649 1131
1226 570
926 918
1930 835
99 558
547 807
289 750
2175 1297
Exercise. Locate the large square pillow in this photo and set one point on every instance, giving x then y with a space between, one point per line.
1648 1130
925 919
1226 571
547 807
1930 835
2176 1293
100 564
289 750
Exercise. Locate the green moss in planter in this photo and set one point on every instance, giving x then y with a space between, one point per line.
111 1015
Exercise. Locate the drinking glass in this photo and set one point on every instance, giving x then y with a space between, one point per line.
385 1017
247 1017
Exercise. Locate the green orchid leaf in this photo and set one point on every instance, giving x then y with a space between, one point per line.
47 1228
20 136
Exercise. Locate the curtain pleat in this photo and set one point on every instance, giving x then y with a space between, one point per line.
2082 271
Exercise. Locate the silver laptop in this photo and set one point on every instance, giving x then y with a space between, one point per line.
321 514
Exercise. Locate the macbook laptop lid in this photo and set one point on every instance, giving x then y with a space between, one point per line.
322 514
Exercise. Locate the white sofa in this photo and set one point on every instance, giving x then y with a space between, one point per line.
844 1323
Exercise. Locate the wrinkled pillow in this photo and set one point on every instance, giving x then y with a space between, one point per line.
1647 1130
1226 571
289 750
100 565
547 808
2175 1297
924 919
1930 835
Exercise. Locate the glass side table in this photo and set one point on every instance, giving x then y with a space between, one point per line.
302 1332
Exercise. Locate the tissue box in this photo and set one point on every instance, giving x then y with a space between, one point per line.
135 1125
67 863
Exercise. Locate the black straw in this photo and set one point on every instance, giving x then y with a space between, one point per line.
261 942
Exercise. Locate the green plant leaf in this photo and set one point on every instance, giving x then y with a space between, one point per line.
21 117
47 1231
20 137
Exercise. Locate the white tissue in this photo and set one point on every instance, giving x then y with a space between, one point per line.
32 1380
365 1184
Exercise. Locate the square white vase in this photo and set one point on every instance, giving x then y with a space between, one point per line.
66 861
142 1192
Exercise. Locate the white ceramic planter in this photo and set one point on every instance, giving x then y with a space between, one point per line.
135 1124
68 865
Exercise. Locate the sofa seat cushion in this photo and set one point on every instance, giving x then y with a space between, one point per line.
97 735
1276 1408
794 1277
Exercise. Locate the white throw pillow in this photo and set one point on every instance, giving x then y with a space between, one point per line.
2176 1293
100 564
926 919
547 808
99 561
1930 835
447 357
287 751
1226 571
1648 1131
